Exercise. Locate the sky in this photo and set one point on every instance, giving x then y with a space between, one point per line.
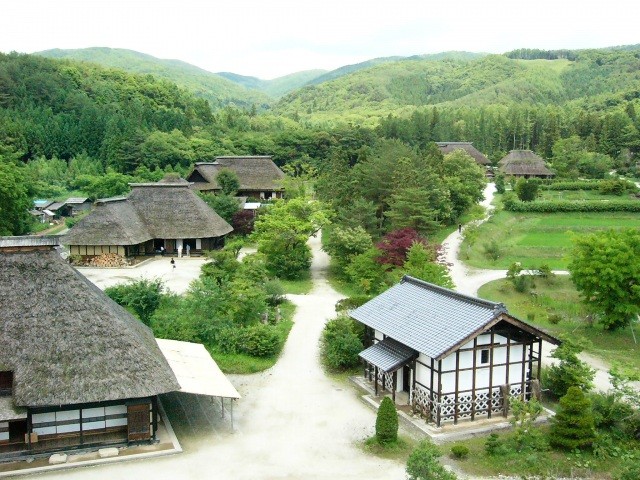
272 38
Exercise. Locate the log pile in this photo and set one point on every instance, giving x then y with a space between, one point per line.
108 260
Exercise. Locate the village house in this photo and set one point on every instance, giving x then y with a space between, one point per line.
166 216
448 147
524 164
449 355
76 369
259 177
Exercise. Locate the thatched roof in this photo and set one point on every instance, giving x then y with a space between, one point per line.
524 163
67 342
521 156
257 173
448 147
167 209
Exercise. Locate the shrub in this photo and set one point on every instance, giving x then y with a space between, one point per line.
495 446
492 250
274 291
341 343
570 371
259 340
395 246
527 189
629 469
554 318
141 296
387 422
423 464
350 303
573 425
460 451
500 186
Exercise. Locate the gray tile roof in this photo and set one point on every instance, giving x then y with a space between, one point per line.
425 317
388 355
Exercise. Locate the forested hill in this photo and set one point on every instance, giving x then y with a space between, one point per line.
277 87
60 108
592 76
218 91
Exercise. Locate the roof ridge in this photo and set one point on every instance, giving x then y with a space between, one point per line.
498 307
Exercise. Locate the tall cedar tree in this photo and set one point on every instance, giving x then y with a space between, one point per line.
573 425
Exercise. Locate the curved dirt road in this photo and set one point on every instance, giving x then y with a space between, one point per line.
293 422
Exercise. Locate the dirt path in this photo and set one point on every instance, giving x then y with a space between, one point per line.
468 280
293 422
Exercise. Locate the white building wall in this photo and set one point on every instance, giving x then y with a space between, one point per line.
465 379
4 436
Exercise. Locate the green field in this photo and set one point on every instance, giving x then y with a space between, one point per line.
538 238
559 297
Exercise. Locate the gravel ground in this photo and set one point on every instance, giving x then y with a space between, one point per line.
293 422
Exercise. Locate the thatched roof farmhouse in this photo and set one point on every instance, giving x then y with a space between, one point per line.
72 360
166 215
77 369
448 147
259 177
524 163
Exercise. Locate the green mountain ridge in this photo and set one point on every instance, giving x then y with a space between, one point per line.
404 85
218 91
278 86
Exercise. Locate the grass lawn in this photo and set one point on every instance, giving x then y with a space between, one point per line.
301 286
243 364
539 238
541 464
561 298
399 450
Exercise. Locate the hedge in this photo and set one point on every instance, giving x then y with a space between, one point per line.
587 185
566 206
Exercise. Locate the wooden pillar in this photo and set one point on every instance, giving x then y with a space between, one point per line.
473 378
431 387
539 358
375 379
29 429
394 386
457 383
530 365
524 370
414 374
81 429
508 362
154 415
490 397
439 407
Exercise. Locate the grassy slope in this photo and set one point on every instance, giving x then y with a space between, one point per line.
217 90
561 298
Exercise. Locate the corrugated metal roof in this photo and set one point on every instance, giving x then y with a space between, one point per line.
388 355
426 317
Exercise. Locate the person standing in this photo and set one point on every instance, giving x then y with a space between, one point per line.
173 263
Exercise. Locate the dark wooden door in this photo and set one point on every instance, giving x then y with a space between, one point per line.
17 431
406 378
138 422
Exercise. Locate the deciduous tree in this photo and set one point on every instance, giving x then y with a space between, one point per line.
605 268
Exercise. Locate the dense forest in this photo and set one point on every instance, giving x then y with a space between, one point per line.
74 127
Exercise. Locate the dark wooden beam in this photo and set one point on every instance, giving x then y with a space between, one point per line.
455 411
473 379
490 398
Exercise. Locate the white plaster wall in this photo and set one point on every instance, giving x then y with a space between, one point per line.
93 412
115 410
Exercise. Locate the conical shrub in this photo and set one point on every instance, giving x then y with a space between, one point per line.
573 425
387 422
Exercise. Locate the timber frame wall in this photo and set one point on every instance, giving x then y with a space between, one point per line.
450 389
51 429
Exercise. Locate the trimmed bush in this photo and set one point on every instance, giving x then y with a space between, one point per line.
387 422
350 303
573 425
460 451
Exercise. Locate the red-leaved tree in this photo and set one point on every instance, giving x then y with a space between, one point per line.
397 243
